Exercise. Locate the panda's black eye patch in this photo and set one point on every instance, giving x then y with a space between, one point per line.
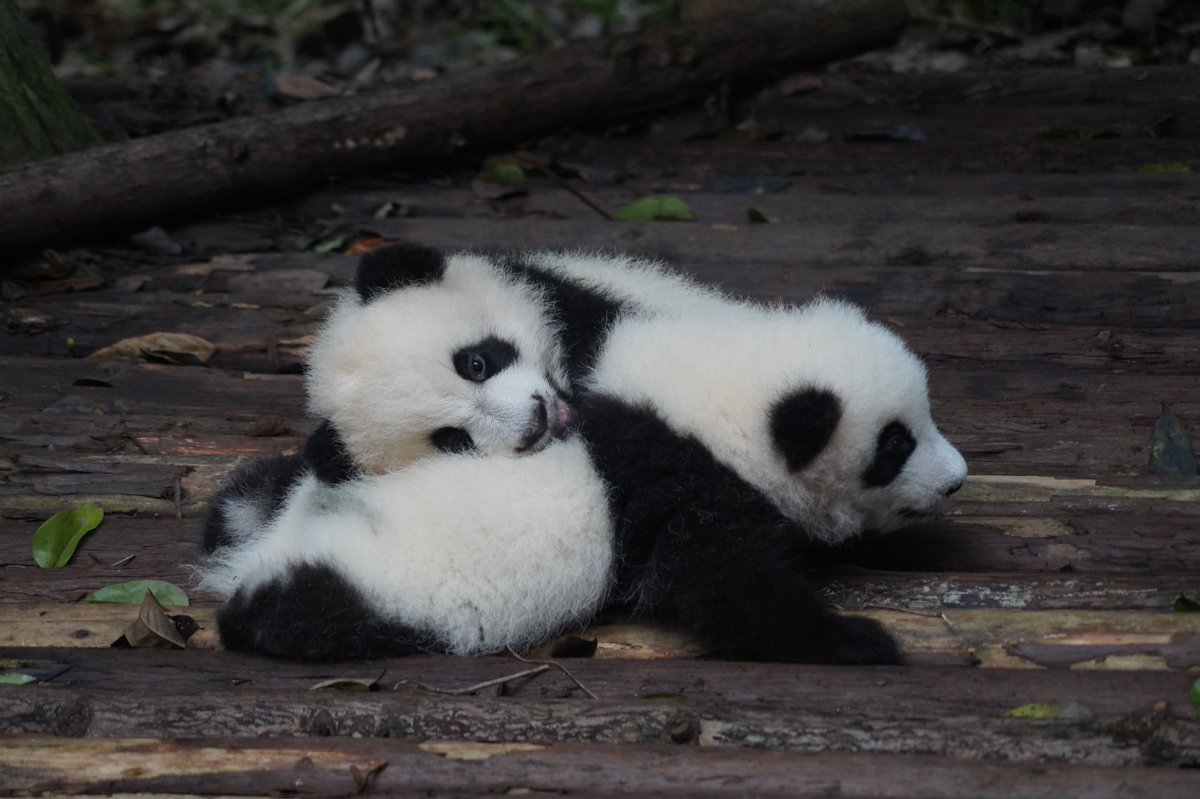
452 440
802 424
478 362
892 450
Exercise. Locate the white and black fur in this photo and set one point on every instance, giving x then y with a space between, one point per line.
464 554
727 438
427 355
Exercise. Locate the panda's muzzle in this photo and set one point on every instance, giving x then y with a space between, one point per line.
551 420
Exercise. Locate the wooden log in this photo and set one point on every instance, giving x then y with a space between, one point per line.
923 691
346 767
190 171
416 715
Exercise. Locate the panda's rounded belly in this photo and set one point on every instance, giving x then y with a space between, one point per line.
482 552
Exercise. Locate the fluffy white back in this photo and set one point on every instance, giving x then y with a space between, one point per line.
382 371
483 551
716 376
648 286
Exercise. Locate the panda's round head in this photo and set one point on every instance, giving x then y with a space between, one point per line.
853 440
823 411
437 353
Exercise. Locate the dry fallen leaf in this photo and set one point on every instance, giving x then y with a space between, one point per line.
363 246
152 629
151 344
801 84
305 87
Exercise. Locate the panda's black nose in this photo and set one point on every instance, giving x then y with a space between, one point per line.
954 488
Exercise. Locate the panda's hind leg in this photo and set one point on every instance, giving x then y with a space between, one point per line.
734 587
312 613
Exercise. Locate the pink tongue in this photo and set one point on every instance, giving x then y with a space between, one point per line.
562 418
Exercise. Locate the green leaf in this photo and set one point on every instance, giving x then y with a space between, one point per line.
756 216
509 175
656 207
16 678
55 541
132 593
1170 448
1175 168
499 181
1051 710
335 243
1195 694
1185 605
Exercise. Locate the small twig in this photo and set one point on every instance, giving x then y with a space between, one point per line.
122 562
550 173
557 665
470 689
57 674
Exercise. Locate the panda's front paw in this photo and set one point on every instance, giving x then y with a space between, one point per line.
863 642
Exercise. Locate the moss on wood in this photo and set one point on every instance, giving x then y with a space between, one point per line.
38 118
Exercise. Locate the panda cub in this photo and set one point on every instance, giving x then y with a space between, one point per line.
373 540
733 437
478 368
724 437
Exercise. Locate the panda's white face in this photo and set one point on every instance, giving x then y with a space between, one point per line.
826 413
463 362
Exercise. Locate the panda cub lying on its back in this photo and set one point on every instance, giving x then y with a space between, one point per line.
721 439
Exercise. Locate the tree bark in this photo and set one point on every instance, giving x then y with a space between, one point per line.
123 186
37 116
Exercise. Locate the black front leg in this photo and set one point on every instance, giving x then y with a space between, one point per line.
735 585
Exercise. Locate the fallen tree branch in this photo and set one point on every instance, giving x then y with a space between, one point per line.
121 187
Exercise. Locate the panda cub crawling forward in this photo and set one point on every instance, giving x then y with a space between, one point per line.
716 442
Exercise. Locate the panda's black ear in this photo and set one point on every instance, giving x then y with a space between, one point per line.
395 267
802 424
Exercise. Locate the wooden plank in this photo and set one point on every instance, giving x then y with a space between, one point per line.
920 123
894 159
413 714
903 690
344 767
1034 247
1031 86
1138 199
